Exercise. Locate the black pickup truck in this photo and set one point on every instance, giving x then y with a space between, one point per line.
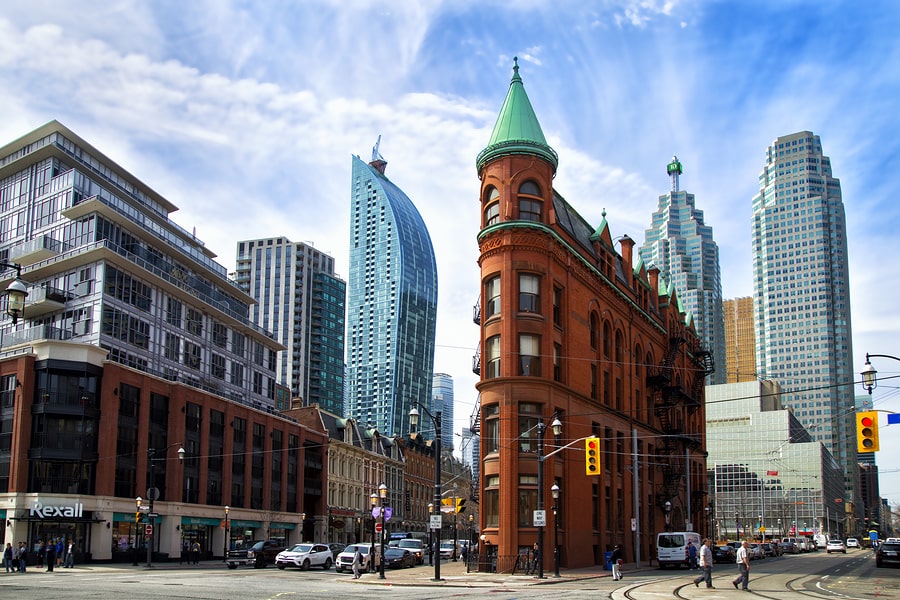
258 553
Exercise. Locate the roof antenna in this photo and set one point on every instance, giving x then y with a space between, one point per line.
375 154
378 162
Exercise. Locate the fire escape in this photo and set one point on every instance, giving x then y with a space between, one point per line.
673 401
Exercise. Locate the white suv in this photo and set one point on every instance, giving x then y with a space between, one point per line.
344 560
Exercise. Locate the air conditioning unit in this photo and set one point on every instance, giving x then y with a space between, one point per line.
83 327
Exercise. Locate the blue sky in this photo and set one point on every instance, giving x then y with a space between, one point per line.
246 114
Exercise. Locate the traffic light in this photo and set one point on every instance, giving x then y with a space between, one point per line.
592 456
867 431
137 517
460 505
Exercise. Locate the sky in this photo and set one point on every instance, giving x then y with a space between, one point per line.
246 114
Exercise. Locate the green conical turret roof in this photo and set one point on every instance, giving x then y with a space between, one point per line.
517 130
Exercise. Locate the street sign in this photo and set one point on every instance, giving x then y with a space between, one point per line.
378 527
540 518
435 521
148 529
153 515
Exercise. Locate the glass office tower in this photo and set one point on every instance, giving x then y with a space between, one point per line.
802 293
301 301
681 246
392 294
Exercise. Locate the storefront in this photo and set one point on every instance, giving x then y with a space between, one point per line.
241 531
200 530
126 537
281 532
55 521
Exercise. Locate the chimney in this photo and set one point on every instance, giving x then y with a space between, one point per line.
627 245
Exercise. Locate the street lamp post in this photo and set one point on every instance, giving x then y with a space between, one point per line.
469 542
556 427
382 493
153 492
869 374
667 509
431 535
225 550
16 292
302 525
373 499
554 491
436 421
134 552
708 526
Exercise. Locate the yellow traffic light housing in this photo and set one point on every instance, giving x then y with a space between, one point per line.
592 456
867 431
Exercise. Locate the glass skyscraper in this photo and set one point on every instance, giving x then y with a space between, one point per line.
681 246
442 400
392 310
301 301
801 293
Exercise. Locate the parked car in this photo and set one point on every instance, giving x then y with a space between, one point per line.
852 543
258 553
887 553
344 560
398 558
768 549
835 546
336 548
789 547
756 552
305 556
416 547
723 554
447 549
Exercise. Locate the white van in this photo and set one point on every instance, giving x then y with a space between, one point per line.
672 548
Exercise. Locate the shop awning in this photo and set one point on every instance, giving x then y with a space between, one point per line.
282 526
201 521
247 524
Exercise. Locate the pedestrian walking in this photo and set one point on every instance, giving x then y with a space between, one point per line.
706 564
743 562
70 556
356 564
535 557
22 557
692 556
60 551
195 552
8 555
617 558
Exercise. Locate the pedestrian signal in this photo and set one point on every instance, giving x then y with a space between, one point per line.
867 431
592 456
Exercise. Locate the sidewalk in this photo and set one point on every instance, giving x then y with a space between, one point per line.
453 574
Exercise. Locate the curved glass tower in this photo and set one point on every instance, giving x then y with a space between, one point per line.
392 303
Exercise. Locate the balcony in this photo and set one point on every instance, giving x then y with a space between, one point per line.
34 334
43 300
40 248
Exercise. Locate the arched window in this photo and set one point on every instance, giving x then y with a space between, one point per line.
607 341
530 202
620 348
491 206
595 330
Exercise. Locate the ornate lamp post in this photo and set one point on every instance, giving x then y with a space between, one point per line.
667 509
469 542
556 427
153 493
869 374
137 509
554 491
382 493
373 499
16 292
436 421
302 525
431 535
708 526
225 550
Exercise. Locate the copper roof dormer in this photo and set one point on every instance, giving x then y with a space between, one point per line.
517 130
